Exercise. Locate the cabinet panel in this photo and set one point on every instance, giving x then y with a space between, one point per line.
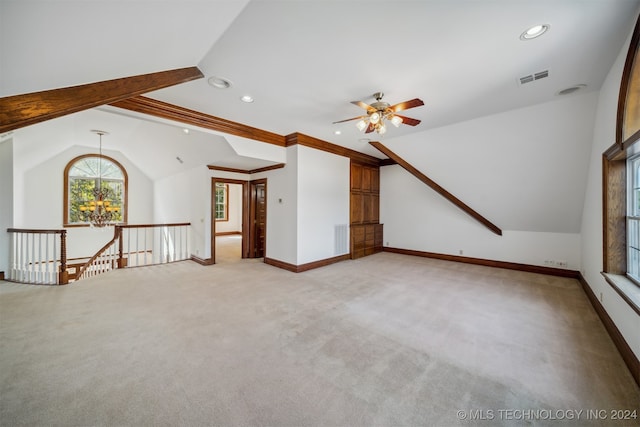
375 180
366 178
356 176
357 213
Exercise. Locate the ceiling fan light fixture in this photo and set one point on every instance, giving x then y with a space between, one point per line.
361 125
374 118
396 121
382 129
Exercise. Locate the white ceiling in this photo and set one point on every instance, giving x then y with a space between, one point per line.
304 61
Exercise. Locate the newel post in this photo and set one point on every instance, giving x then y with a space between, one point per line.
122 261
63 275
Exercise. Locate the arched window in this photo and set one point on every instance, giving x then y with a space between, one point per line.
86 173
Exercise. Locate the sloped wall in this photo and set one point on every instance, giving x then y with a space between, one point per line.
524 170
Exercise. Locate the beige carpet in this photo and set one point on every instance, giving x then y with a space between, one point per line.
387 340
228 249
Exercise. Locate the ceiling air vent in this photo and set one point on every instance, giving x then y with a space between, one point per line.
533 77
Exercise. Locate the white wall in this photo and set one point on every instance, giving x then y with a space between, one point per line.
524 170
323 202
627 321
282 204
38 199
234 216
181 198
6 197
416 217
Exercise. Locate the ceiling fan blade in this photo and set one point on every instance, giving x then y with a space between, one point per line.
370 128
363 105
407 104
408 120
348 120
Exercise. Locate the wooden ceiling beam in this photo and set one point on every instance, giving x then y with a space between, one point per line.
437 188
23 110
168 111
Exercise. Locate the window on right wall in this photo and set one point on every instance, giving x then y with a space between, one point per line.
633 218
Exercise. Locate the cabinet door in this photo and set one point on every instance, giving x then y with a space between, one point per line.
375 180
366 179
357 205
356 176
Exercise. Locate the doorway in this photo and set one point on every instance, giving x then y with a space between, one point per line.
238 219
258 214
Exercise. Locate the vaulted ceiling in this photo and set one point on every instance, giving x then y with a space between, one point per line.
304 61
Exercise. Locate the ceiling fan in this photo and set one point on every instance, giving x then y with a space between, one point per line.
380 111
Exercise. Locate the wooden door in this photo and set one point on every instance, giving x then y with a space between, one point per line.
258 218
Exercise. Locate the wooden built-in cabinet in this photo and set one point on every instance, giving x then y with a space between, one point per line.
366 230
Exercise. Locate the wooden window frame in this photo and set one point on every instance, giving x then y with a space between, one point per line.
614 173
226 202
65 207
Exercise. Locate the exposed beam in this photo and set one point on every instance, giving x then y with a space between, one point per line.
23 110
246 171
437 188
168 111
319 144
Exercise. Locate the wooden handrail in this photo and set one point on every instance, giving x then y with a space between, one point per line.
177 224
34 231
117 233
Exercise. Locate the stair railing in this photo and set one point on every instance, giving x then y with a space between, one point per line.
106 259
38 256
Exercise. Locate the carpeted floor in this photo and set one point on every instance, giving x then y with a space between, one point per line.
386 340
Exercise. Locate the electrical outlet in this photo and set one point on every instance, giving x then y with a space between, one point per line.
562 264
600 296
461 252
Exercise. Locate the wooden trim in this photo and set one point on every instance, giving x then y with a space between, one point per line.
305 267
309 141
1 275
168 111
437 188
175 224
614 211
268 168
65 207
23 110
35 231
624 97
388 162
245 171
245 215
229 233
630 359
202 261
488 263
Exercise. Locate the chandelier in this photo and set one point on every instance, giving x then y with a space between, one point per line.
100 211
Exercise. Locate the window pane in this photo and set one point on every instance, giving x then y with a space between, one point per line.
86 175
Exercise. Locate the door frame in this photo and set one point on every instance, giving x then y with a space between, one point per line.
252 216
245 214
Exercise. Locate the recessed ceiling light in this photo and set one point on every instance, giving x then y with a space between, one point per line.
247 98
219 82
535 31
337 132
572 89
186 131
